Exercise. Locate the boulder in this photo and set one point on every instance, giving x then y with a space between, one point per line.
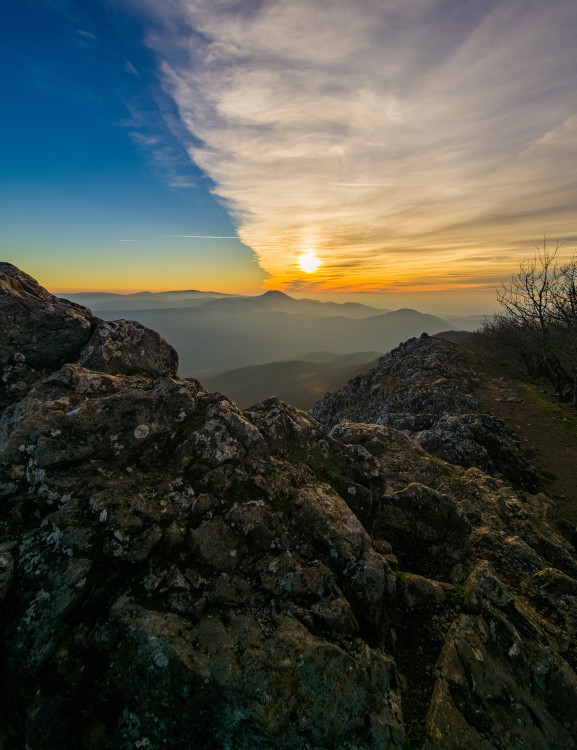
493 682
38 328
39 332
125 347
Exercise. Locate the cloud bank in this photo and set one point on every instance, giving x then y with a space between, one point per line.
407 143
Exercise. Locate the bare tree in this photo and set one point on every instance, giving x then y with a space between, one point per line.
564 317
539 319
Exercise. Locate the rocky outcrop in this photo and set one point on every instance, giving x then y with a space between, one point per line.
425 388
40 333
175 572
38 328
125 347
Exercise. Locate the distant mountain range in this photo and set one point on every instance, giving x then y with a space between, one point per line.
281 302
271 300
215 332
209 340
97 301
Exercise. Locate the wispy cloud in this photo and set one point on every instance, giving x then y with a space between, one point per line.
201 236
161 139
129 68
404 141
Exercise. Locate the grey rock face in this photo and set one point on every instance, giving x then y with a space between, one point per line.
38 328
125 347
491 680
412 385
424 389
177 573
41 332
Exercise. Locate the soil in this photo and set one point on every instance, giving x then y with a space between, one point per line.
544 427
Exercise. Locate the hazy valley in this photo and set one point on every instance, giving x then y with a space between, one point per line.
300 382
255 347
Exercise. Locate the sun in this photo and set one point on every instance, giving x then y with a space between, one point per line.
309 262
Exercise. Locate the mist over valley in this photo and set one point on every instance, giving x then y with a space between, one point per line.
300 382
236 344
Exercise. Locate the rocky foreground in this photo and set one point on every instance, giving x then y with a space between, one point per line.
176 573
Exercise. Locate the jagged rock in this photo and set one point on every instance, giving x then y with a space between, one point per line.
131 420
155 561
424 388
125 347
38 328
386 459
491 683
418 591
175 572
483 585
426 525
479 440
424 377
284 427
6 568
41 332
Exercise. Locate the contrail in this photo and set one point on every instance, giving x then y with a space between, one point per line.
200 236
216 237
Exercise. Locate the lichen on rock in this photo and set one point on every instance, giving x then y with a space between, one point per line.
175 572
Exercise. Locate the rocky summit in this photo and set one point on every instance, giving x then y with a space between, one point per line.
177 573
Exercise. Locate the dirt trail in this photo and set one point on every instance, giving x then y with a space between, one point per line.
543 426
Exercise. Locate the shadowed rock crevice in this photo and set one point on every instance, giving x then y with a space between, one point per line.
176 572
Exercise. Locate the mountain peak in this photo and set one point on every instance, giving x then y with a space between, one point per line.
275 294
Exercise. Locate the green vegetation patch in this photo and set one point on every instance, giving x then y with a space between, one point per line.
458 593
326 468
562 413
296 453
323 466
330 466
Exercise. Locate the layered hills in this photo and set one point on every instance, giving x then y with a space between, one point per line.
176 572
301 382
271 300
214 333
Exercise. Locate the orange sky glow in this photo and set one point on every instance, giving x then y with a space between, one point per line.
423 147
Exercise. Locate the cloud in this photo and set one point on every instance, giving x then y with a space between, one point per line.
403 141
201 237
129 68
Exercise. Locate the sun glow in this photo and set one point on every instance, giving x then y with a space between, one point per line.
309 262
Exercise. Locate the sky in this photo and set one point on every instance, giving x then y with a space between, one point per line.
415 150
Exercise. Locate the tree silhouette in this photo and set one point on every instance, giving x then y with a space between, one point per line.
539 319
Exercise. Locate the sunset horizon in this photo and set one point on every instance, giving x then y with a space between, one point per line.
410 151
288 374
431 301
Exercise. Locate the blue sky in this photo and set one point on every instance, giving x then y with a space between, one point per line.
85 200
417 148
